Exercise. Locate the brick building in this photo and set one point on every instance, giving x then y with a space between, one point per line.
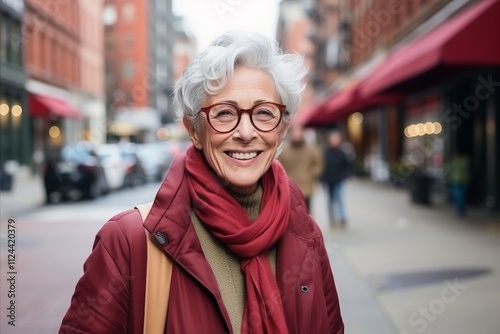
411 83
139 66
64 62
52 77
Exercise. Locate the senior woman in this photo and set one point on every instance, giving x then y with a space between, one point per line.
247 257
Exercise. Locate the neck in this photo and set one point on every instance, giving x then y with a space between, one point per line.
243 191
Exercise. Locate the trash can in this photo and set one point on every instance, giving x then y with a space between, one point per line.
420 188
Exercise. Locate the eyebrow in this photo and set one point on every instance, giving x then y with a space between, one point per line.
236 103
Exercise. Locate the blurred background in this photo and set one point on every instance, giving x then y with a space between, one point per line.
87 129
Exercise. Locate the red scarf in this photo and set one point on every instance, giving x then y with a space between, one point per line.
228 221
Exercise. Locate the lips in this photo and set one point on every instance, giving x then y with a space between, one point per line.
242 156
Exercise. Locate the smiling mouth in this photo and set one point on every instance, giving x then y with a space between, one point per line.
243 156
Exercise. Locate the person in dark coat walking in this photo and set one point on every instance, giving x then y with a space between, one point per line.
246 255
338 167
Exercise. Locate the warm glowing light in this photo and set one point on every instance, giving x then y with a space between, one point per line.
421 129
429 128
4 109
357 118
437 128
17 110
412 130
416 130
162 134
407 132
54 132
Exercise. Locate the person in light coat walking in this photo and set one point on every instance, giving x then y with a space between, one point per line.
302 161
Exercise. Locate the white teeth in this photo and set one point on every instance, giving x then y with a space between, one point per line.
243 156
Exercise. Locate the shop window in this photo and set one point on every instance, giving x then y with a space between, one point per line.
109 40
128 40
3 38
128 12
42 56
11 42
109 16
16 44
128 70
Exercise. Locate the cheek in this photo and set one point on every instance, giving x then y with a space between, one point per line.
212 141
275 140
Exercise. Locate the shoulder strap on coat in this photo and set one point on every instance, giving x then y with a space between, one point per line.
158 277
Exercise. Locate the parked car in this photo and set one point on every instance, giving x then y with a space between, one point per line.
151 157
76 167
113 164
135 174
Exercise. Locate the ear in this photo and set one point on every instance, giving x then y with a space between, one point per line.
193 135
286 127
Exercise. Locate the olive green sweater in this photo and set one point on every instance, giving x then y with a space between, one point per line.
226 265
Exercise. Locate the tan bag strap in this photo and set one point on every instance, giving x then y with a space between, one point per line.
158 278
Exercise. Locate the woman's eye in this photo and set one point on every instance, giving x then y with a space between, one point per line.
263 112
225 112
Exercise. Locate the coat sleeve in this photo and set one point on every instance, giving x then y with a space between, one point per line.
101 298
335 321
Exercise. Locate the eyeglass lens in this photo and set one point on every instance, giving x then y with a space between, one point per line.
225 117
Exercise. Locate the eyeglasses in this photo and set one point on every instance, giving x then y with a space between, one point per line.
225 117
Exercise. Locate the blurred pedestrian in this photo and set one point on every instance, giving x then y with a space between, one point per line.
236 231
338 167
459 176
302 161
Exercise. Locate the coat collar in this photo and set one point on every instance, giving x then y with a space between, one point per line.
169 221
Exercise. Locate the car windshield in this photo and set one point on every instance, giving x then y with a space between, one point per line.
75 153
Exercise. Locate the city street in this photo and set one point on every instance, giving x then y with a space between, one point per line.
399 268
97 98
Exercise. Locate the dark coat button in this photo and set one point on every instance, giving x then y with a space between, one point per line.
161 238
304 289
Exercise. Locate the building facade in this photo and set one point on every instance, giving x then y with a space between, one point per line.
293 34
418 87
139 74
15 134
64 63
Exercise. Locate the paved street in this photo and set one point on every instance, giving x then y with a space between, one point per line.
386 235
392 247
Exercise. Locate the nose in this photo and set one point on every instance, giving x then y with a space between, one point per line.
245 130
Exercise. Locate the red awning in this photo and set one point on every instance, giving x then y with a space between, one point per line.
467 39
304 117
43 106
341 101
344 102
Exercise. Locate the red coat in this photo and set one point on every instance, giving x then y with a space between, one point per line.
109 297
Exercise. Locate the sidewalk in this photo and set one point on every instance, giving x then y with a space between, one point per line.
26 194
402 268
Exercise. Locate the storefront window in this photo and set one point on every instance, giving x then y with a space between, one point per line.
15 44
3 38
109 14
128 11
128 70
